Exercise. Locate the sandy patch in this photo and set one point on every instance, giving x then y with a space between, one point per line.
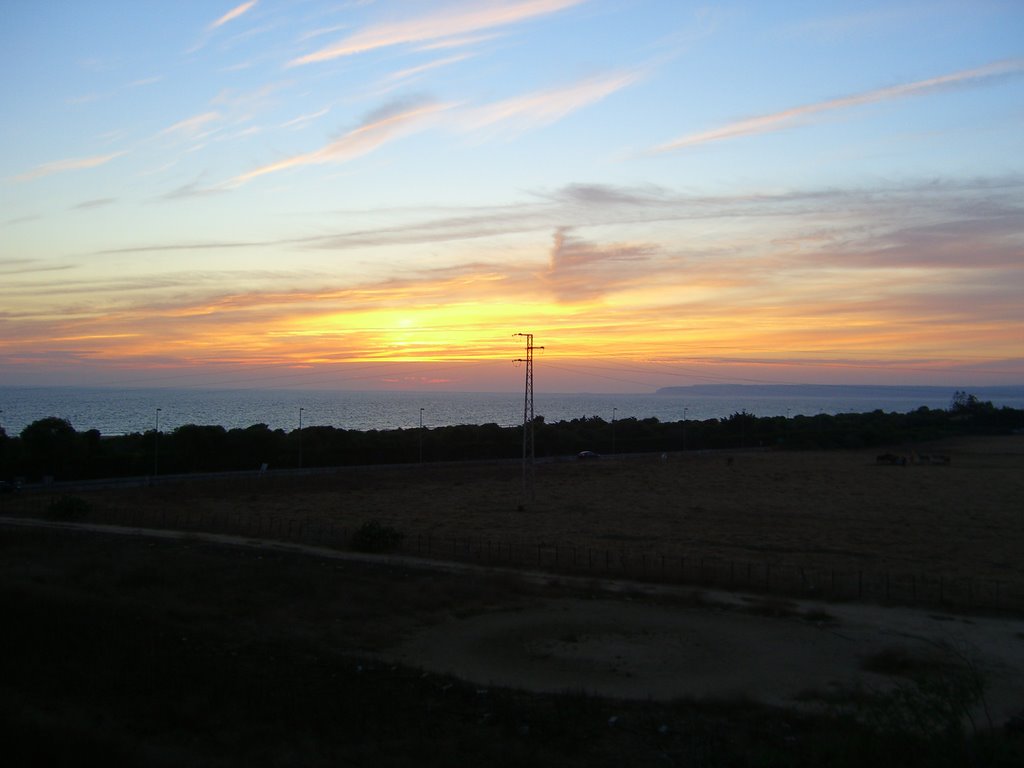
638 650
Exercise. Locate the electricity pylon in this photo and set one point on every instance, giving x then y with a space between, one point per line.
529 448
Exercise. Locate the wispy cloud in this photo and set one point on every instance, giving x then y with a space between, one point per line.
411 72
87 98
29 266
145 81
379 128
842 27
778 120
533 110
583 271
71 164
190 190
302 120
450 22
455 42
231 15
191 127
100 202
888 209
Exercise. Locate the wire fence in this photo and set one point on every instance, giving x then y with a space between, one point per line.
692 568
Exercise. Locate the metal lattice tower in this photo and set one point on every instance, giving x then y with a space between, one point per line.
529 447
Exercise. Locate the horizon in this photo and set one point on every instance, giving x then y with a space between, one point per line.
123 411
379 196
968 389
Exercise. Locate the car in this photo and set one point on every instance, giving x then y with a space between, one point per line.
588 455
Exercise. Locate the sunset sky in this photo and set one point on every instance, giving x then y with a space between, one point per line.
366 194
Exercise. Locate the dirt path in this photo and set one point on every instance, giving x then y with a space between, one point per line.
638 641
640 650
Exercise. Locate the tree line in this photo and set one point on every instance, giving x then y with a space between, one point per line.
52 448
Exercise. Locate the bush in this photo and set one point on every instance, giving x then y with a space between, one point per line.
374 537
68 508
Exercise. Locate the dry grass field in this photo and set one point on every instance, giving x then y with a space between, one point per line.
836 514
151 651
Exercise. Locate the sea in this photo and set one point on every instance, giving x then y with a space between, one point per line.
124 411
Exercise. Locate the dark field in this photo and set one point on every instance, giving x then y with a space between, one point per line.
124 651
141 652
826 523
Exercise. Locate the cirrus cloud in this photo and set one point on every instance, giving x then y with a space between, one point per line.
439 25
70 164
379 128
778 120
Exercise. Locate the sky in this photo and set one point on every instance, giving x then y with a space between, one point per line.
382 194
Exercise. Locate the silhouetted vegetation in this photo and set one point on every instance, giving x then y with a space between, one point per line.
68 508
374 536
52 448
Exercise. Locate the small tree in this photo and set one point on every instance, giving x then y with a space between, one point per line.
49 445
375 537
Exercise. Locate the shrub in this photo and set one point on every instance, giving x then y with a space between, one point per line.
375 537
68 508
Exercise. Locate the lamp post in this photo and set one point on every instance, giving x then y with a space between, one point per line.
421 435
613 430
156 445
300 437
684 428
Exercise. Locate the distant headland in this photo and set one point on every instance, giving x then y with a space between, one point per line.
993 393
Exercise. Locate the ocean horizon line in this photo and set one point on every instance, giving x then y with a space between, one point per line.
663 390
114 410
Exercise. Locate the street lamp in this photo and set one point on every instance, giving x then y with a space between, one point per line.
421 435
684 427
300 437
156 445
